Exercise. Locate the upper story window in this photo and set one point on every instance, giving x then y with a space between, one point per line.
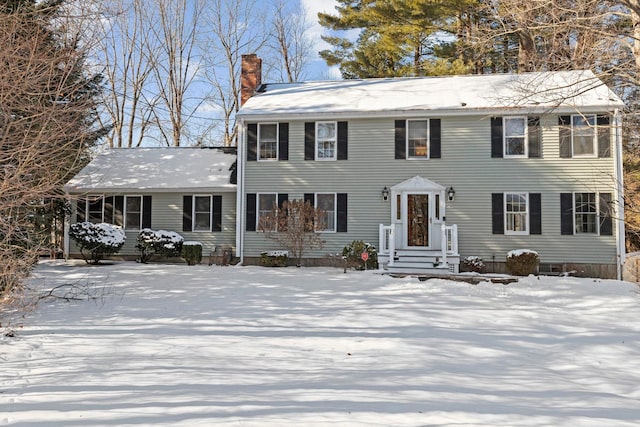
418 139
326 140
516 211
515 137
268 141
583 129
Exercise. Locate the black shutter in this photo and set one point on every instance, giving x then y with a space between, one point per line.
497 213
435 136
146 211
566 213
217 213
252 142
496 137
535 217
108 210
606 217
535 137
341 209
251 212
401 139
282 197
118 210
604 136
310 197
187 210
81 210
283 141
564 122
309 140
343 140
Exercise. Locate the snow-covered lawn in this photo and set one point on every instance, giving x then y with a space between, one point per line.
172 345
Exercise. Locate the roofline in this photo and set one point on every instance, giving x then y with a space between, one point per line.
230 188
446 112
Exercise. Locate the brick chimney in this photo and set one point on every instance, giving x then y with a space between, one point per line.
250 76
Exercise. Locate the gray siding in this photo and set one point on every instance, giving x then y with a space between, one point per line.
466 164
166 214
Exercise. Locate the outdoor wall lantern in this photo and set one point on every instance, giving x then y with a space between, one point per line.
451 193
385 193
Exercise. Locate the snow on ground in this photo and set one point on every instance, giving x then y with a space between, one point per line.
173 345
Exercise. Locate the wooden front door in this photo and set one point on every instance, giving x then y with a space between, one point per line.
418 220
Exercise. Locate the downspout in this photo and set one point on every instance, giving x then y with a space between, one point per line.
617 118
240 198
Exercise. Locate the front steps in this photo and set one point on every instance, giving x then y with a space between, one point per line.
415 261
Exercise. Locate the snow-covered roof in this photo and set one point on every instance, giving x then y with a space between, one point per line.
155 170
561 91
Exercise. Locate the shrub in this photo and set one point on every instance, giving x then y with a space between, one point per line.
192 252
97 240
162 243
522 262
352 255
274 258
473 263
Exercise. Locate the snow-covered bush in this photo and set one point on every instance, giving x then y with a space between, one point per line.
522 262
474 263
352 255
96 241
163 243
192 252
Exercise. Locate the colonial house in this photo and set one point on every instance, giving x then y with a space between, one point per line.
188 190
437 168
430 170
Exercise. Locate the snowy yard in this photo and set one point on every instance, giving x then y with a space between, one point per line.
172 345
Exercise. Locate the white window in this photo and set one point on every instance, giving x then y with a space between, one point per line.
515 137
516 213
202 213
268 141
133 212
586 212
266 204
326 140
418 138
326 202
94 209
583 135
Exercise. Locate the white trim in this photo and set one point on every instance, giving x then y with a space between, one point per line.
525 140
597 213
406 146
595 136
335 210
277 142
258 207
193 213
240 196
619 192
335 142
527 231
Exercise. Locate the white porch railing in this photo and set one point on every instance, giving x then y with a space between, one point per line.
387 242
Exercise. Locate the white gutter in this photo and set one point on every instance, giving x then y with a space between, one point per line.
240 196
620 240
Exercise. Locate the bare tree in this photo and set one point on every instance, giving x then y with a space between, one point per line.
234 28
127 52
289 43
294 225
47 123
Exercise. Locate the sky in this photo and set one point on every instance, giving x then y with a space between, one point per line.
319 69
